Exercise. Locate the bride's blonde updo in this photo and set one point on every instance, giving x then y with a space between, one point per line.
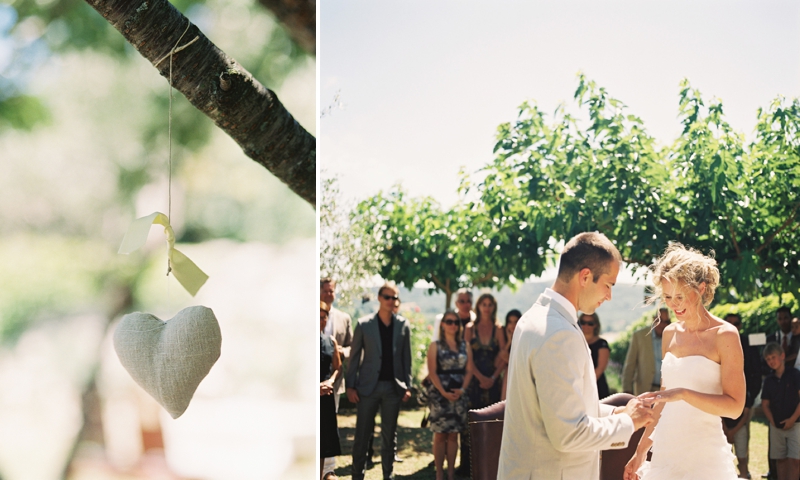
687 265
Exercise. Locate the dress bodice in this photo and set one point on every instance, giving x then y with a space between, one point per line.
449 360
695 372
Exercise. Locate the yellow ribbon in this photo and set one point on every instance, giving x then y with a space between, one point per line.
186 272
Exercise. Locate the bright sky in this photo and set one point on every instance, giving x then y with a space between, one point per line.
425 84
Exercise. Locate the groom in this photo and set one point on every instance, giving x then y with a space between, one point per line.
554 423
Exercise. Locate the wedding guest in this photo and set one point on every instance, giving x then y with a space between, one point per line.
512 318
783 336
380 379
642 370
486 339
780 400
450 371
330 370
796 340
370 449
590 326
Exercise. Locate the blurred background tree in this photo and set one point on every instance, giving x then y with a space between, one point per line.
83 136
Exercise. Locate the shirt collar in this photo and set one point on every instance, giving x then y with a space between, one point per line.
561 300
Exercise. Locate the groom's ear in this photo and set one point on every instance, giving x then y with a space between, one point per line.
584 277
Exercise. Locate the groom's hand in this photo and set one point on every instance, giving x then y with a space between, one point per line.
641 414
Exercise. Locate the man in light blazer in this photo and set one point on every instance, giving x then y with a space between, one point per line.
340 329
554 425
379 377
642 370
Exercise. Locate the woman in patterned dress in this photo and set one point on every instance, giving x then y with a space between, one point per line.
450 371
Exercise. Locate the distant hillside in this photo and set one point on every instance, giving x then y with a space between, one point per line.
624 308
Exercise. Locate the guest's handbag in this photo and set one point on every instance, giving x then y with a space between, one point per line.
422 395
424 422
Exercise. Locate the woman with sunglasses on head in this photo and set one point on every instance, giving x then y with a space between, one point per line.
512 317
590 326
486 339
450 371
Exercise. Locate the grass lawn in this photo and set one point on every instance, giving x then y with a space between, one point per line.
415 447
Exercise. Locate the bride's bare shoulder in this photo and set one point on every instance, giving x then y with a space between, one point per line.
724 328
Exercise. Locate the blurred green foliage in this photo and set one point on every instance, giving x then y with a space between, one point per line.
54 274
421 334
22 112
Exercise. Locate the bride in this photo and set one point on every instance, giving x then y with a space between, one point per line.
702 377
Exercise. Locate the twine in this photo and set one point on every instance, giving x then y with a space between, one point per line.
174 50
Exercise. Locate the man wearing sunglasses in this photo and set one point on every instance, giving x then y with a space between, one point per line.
555 426
379 378
463 309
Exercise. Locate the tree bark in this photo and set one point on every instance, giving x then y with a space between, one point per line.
220 88
299 17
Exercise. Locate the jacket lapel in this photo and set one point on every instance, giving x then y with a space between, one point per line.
396 332
376 333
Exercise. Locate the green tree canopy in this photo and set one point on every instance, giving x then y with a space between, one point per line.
600 170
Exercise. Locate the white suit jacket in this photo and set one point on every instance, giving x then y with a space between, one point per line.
554 424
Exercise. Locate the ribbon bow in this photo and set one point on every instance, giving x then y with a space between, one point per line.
186 272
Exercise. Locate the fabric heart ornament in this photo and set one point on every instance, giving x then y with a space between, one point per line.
169 359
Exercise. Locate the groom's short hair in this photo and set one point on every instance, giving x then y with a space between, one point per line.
590 250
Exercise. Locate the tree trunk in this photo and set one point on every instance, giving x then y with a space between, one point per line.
448 295
90 400
220 88
299 17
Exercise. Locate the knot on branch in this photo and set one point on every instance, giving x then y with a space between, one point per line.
224 83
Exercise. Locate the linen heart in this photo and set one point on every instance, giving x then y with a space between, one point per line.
169 359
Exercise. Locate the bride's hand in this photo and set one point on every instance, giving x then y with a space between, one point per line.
663 396
633 466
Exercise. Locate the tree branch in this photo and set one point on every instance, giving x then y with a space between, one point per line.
220 88
733 237
438 283
782 228
299 18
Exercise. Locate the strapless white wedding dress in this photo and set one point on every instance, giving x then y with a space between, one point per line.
687 442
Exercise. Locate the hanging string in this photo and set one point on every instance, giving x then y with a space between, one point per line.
169 129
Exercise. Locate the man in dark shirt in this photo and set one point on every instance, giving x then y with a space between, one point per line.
780 400
379 378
